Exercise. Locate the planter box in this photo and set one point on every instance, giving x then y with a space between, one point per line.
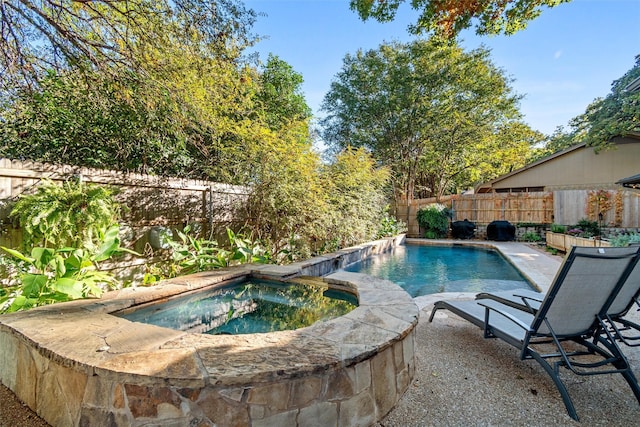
564 242
555 240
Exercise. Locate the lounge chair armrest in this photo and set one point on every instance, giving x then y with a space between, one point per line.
529 297
511 317
531 302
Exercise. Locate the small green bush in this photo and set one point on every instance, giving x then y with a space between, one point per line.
390 226
557 228
531 237
434 220
625 239
48 275
190 254
589 228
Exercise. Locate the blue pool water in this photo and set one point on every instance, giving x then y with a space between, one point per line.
248 307
424 270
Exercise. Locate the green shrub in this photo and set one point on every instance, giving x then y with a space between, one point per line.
191 255
531 237
72 214
434 220
390 226
589 228
557 228
625 239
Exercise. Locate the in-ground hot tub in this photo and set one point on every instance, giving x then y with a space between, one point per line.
248 307
77 364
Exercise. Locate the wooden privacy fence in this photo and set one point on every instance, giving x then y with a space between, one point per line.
534 208
149 201
620 208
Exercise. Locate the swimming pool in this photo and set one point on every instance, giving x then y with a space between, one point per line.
426 269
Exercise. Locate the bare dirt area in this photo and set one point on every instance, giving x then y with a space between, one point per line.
14 413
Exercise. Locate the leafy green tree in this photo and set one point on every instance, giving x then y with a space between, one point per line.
186 121
449 17
431 112
280 94
95 120
41 35
617 114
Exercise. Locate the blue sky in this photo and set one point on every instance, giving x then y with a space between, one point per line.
561 62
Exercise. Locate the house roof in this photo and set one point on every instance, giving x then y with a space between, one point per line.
491 183
630 182
488 185
634 85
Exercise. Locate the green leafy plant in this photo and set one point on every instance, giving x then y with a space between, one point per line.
434 220
191 254
390 226
557 228
73 214
49 275
625 239
531 236
589 228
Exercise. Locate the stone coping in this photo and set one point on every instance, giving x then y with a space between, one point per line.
84 336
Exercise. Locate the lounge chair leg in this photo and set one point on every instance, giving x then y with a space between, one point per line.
633 383
568 403
433 313
622 364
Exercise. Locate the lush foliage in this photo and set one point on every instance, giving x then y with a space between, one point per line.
434 221
186 120
531 236
190 254
48 275
187 104
38 36
625 239
557 228
449 17
72 214
299 206
440 118
354 188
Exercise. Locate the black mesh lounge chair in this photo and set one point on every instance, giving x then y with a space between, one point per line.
570 318
625 330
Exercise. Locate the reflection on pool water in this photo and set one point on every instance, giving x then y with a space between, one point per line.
426 269
249 307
